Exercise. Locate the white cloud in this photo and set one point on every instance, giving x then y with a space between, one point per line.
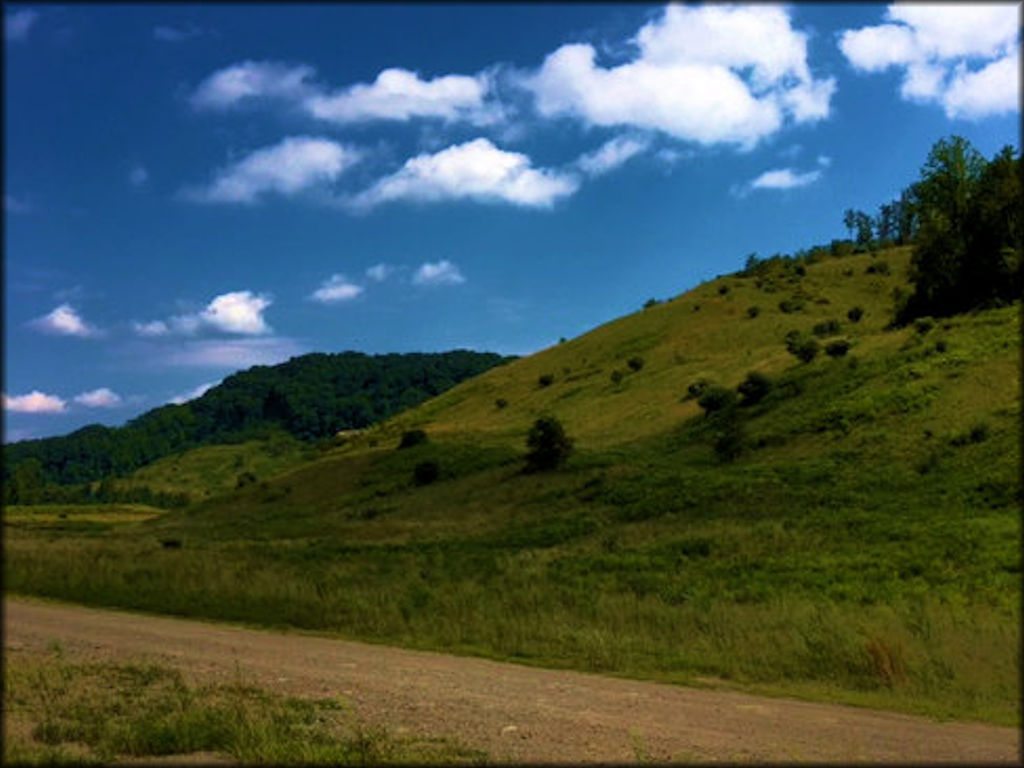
964 57
438 273
237 312
18 24
710 74
193 393
784 178
476 170
395 94
234 312
232 354
154 328
65 321
295 164
379 272
138 176
34 402
335 289
252 80
398 94
99 398
611 155
168 34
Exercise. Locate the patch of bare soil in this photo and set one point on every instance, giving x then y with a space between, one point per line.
515 713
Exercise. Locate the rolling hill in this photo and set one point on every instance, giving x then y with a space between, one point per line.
862 544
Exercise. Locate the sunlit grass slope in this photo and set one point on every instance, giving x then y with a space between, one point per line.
863 547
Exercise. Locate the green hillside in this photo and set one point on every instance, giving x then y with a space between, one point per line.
862 546
309 397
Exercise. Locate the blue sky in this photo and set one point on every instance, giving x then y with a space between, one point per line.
190 190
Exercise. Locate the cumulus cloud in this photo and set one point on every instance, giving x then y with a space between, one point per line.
251 81
706 74
230 354
438 273
238 312
295 164
99 398
65 321
34 402
965 58
395 94
379 272
398 94
476 170
336 289
611 155
194 393
18 24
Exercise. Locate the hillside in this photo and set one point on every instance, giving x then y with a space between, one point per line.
308 397
863 546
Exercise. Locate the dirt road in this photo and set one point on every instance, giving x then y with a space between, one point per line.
512 712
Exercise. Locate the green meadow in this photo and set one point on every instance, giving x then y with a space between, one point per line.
860 544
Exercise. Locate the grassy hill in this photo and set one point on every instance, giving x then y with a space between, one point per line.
863 547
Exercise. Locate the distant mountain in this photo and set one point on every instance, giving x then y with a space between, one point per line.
310 397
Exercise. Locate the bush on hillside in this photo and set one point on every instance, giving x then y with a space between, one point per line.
754 388
827 328
635 363
548 445
545 380
753 312
855 314
696 389
837 348
500 403
426 472
804 349
716 398
412 438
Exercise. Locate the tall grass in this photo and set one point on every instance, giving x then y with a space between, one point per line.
58 710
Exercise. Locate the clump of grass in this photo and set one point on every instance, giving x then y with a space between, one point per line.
58 710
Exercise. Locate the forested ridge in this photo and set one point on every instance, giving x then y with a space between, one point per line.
311 397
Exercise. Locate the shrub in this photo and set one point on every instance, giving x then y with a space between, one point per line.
548 445
545 380
754 388
790 305
244 479
923 324
827 328
616 376
855 314
500 403
426 472
878 268
723 289
728 442
804 349
716 398
696 389
635 363
941 346
650 303
753 312
412 437
837 348
977 434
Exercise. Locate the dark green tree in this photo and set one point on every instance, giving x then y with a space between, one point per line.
548 445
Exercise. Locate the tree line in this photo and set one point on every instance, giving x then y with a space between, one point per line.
311 397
